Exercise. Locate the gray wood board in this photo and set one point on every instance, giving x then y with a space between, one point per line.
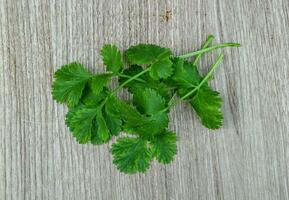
248 158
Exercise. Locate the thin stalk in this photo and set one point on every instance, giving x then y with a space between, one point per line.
171 100
217 46
205 45
127 76
124 83
131 79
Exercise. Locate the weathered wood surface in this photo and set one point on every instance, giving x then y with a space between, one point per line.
248 158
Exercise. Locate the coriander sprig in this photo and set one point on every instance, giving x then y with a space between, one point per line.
155 78
197 87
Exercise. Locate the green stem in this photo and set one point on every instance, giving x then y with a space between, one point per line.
205 45
131 79
124 83
171 100
205 79
127 76
217 46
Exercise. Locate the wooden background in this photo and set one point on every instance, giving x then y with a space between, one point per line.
248 158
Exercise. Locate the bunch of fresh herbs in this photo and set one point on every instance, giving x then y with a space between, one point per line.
157 81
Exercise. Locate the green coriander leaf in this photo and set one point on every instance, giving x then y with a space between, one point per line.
161 88
158 57
161 69
99 81
92 99
158 122
80 121
132 118
131 155
148 101
164 146
93 122
70 80
146 54
186 76
152 105
112 58
136 123
112 123
95 137
71 113
102 129
128 113
148 127
112 119
207 104
111 106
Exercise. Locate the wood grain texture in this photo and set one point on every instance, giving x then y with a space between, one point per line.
248 158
